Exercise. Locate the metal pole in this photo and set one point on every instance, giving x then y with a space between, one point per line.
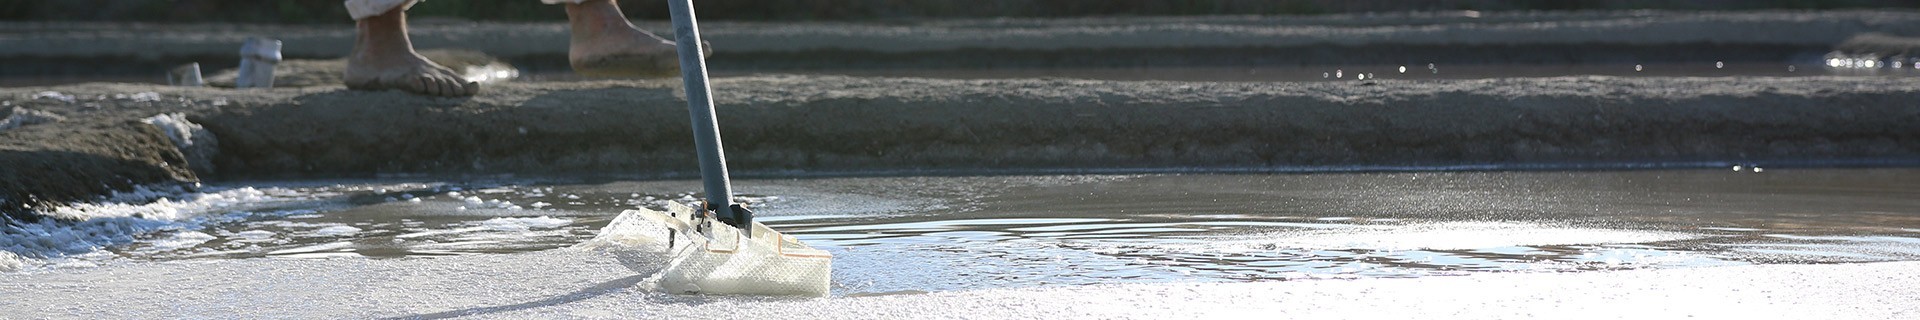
706 130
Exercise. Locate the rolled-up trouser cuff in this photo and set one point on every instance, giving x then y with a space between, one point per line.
362 9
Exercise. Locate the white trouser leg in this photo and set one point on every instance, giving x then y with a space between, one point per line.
361 9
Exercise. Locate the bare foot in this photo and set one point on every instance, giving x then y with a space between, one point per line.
383 58
606 45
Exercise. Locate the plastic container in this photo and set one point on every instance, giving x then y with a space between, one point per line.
258 56
187 75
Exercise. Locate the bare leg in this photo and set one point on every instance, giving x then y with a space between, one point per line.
383 58
606 45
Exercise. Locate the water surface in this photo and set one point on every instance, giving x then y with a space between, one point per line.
892 234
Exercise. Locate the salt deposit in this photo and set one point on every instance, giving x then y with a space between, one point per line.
10 262
143 97
176 126
699 255
55 96
524 224
21 117
193 141
570 284
179 240
336 231
252 235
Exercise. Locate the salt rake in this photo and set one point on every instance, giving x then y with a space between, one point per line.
724 251
706 129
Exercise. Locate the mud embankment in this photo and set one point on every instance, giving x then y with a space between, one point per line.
83 160
788 125
60 49
780 126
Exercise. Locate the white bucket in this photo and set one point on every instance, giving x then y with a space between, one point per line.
258 56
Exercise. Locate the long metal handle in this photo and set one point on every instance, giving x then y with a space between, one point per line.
706 130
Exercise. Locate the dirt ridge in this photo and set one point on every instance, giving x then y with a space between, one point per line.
795 125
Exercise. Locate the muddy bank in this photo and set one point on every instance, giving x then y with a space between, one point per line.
80 160
1446 28
787 125
94 139
310 12
777 125
1446 37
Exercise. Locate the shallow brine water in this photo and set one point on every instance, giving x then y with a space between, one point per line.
896 234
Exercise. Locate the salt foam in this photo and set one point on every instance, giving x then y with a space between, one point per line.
335 231
252 235
180 240
86 227
524 224
10 262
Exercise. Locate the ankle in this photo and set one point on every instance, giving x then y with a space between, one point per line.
381 35
597 17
